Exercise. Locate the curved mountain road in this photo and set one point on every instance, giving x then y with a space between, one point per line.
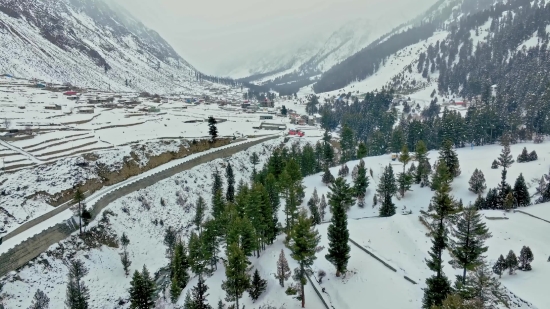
62 213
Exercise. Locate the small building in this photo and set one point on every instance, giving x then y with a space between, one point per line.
109 105
69 93
273 126
266 117
86 110
53 107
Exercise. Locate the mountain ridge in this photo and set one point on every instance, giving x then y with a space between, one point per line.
88 43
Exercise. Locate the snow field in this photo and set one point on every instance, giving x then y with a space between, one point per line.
367 282
512 234
401 240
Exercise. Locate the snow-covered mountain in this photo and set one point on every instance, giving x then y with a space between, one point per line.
344 42
87 43
317 53
274 60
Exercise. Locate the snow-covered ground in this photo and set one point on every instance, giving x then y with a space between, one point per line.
45 162
400 240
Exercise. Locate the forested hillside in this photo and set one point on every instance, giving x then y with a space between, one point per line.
456 17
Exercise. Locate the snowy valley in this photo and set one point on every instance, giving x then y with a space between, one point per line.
367 179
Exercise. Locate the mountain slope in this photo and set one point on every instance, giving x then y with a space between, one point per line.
87 43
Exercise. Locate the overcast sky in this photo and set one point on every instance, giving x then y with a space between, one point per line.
210 33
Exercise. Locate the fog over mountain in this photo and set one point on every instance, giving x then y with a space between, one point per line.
232 37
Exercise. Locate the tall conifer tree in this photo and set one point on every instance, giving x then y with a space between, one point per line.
303 243
340 199
470 234
386 189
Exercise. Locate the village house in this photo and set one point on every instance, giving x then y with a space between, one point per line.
53 107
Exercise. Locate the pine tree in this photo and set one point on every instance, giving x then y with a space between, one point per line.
179 266
125 260
483 286
124 241
212 128
175 290
200 209
450 158
438 286
361 181
340 194
509 202
188 302
210 240
521 193
170 238
323 207
525 258
196 258
79 198
40 300
424 169
347 144
254 160
221 305
511 262
327 177
303 243
284 111
477 182
313 205
404 181
441 176
505 159
524 156
454 301
273 192
237 280
257 286
77 292
343 171
230 194
404 157
340 199
283 271
500 266
386 189
199 295
494 165
470 234
328 152
291 209
361 150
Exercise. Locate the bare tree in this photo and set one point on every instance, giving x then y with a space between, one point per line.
7 123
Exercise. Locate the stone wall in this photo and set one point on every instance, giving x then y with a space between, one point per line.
39 243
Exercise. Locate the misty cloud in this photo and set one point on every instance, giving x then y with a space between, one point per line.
213 34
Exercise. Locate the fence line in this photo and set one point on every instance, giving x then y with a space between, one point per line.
380 260
318 293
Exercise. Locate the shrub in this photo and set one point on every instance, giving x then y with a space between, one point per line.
527 157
